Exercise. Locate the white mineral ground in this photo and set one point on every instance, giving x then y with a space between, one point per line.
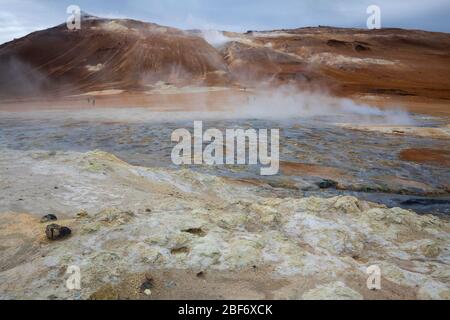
169 225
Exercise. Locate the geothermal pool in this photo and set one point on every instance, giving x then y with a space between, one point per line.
365 164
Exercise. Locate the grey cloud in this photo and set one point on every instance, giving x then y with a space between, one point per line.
235 15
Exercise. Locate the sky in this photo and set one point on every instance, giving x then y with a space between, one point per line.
21 17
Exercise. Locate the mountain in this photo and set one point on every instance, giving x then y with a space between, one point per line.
132 55
105 53
393 62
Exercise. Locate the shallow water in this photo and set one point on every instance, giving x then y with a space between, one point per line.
365 156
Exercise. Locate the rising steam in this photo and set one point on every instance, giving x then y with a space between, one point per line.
215 38
284 103
288 102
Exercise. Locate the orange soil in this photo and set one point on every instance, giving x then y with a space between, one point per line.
302 169
430 156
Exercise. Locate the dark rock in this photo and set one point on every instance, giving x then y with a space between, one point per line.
56 232
146 285
180 250
361 48
326 184
337 43
425 202
196 231
48 218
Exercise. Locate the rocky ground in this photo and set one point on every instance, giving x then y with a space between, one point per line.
153 233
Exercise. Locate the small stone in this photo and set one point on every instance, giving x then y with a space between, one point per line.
147 285
200 274
180 250
82 214
56 232
148 292
196 231
48 218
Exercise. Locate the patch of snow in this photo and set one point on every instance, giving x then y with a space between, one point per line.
114 26
95 68
337 60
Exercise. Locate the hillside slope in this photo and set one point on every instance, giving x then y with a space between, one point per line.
104 54
131 55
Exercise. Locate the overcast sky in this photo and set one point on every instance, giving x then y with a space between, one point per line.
20 17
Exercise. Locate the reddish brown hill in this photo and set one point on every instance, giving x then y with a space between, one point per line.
391 62
131 55
105 54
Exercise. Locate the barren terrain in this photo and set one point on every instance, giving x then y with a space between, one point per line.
85 124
